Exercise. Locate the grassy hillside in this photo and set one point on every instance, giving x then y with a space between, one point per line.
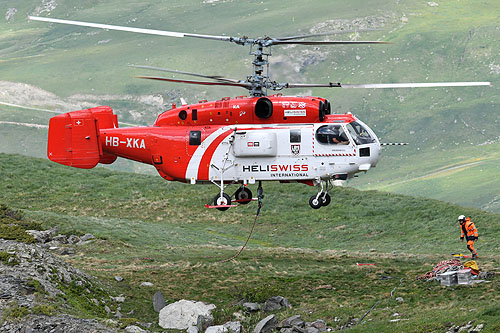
157 231
446 127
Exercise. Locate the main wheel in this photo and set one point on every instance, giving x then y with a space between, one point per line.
222 201
314 203
325 199
244 194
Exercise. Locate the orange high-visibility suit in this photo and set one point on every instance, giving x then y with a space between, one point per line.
468 229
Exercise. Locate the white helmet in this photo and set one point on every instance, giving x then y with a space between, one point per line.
461 218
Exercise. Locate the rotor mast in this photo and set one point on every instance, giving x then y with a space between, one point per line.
260 77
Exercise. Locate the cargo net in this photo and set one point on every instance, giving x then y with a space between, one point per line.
442 267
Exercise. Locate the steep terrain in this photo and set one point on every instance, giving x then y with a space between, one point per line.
453 132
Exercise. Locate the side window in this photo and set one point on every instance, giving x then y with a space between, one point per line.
332 135
195 138
295 136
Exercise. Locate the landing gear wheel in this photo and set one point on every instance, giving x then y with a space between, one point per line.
244 194
222 200
325 199
314 203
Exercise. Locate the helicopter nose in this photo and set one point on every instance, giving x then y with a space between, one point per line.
370 155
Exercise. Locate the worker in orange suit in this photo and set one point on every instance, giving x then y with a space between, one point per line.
469 231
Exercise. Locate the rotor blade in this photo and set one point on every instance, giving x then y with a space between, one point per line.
337 32
415 85
385 85
213 77
312 85
243 84
325 42
129 29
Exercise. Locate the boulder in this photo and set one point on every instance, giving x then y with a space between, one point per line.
203 322
276 303
73 239
183 314
233 326
158 301
87 237
266 325
63 239
320 325
134 329
251 307
292 321
217 329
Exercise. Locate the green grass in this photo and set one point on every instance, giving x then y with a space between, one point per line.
157 231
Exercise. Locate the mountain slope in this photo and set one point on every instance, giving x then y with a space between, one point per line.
431 41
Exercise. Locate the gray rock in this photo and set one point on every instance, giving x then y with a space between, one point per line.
118 278
276 303
320 325
146 284
63 239
251 307
479 327
312 329
266 325
288 330
204 322
118 314
233 326
87 237
292 321
158 301
73 239
217 329
134 329
107 309
118 299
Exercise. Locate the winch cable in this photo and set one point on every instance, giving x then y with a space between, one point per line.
260 195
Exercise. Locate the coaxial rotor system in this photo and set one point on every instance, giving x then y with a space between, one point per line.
259 82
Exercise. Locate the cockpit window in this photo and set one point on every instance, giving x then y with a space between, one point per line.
332 135
359 133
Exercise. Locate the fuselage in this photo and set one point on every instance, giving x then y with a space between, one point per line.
296 140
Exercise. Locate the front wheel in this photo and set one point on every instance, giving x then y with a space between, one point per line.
243 195
314 203
222 200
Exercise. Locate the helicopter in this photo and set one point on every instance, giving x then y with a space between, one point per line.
241 140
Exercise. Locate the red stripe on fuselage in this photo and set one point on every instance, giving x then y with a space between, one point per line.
204 166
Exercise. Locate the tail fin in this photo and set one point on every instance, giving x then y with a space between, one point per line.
74 137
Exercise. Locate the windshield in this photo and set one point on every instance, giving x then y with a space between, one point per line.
359 134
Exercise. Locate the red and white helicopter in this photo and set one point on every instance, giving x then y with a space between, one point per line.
240 140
